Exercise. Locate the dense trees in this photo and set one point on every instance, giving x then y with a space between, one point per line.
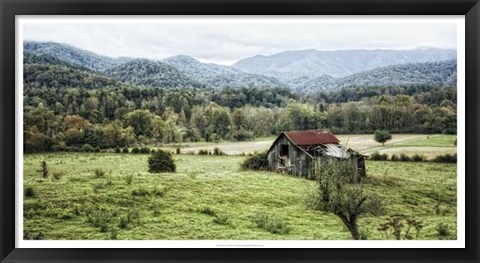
66 108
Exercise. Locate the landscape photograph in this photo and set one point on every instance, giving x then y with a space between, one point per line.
246 129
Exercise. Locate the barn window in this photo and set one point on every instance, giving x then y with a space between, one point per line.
283 149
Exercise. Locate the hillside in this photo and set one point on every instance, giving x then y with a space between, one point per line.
58 76
72 55
150 73
300 70
290 65
431 73
217 76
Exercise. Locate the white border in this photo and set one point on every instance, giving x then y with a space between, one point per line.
459 243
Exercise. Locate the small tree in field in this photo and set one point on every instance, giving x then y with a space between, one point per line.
340 192
382 136
161 161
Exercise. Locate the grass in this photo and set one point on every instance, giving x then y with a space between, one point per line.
410 144
219 202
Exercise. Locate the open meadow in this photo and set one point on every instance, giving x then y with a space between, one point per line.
427 145
113 196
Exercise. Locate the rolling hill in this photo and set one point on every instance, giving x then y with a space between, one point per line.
431 73
150 73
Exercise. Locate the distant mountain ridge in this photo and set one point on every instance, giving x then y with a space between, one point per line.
443 73
290 65
215 76
300 70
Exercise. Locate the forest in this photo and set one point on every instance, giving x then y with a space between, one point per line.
58 118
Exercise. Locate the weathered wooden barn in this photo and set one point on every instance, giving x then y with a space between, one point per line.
295 152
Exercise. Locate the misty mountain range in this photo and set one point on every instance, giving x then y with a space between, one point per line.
300 70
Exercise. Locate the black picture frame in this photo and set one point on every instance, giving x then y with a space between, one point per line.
10 8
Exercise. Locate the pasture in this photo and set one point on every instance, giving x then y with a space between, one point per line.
410 144
113 196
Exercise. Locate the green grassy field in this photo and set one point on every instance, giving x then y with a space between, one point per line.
210 197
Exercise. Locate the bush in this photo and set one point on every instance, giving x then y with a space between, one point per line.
243 135
272 225
58 175
128 178
208 211
221 220
217 151
202 152
87 148
418 158
125 150
161 161
177 151
98 173
394 157
447 158
117 149
442 230
376 156
30 192
145 150
258 161
404 158
135 150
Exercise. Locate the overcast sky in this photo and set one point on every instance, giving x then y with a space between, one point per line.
226 43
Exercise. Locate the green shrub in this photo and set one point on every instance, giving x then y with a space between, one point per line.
161 161
159 191
128 178
258 161
442 230
177 151
376 156
447 158
202 152
145 150
243 135
418 158
117 149
140 191
221 220
87 148
207 211
125 150
404 158
30 192
98 173
58 175
272 225
135 150
217 151
100 219
394 157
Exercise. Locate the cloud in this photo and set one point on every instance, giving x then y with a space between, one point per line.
226 42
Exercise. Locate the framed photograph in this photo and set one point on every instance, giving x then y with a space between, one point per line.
241 131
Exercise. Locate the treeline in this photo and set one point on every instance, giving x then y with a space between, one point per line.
107 117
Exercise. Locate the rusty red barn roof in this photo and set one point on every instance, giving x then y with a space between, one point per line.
311 137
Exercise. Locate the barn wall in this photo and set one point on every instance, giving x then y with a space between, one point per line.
303 164
301 161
